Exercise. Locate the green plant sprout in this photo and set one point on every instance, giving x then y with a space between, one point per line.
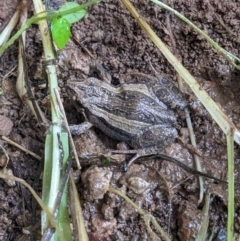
56 161
105 161
60 27
44 15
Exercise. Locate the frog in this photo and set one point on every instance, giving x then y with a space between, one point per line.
141 113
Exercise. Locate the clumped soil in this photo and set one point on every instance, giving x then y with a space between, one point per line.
109 36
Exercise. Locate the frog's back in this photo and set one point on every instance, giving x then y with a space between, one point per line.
124 111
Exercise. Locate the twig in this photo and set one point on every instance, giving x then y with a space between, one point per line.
22 148
140 211
227 55
40 202
6 154
9 72
188 119
82 46
224 25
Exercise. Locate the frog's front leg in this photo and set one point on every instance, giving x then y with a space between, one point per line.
79 129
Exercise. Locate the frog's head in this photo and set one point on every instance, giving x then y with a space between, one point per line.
75 90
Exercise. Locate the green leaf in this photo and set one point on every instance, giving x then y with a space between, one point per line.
72 17
1 91
60 32
105 161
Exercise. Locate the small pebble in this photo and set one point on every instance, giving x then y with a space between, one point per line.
96 182
3 160
138 184
6 125
10 183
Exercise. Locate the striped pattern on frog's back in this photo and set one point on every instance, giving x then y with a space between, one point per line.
126 109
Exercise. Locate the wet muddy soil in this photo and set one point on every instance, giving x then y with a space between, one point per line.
109 36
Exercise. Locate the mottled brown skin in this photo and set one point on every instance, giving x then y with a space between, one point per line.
137 113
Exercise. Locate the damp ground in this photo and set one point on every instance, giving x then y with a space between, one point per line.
109 36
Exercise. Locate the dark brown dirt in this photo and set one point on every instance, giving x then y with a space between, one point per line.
115 40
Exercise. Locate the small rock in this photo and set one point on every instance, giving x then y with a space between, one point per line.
127 212
3 160
6 220
97 35
6 125
99 237
189 221
96 182
10 183
102 226
138 184
107 211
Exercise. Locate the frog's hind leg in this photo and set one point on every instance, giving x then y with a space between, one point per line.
155 137
163 89
150 141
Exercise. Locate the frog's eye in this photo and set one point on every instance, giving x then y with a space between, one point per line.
71 92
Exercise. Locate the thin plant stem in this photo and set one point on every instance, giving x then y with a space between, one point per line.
140 211
230 152
227 55
215 111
